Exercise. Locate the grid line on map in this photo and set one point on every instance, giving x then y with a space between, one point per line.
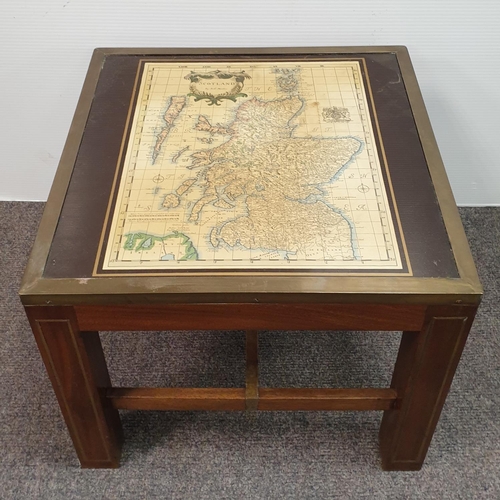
375 216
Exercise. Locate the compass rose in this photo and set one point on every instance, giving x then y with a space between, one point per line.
363 188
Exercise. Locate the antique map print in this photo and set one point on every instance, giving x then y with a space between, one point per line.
262 165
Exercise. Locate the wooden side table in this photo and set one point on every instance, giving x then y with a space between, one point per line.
251 189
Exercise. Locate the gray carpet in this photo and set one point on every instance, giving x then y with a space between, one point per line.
238 455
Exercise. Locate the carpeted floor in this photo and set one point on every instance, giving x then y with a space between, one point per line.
238 455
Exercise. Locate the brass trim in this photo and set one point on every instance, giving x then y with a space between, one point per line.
210 51
57 195
444 194
36 289
398 290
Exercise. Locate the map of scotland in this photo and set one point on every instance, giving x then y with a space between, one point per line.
265 165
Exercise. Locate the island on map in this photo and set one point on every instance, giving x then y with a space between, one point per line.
175 246
176 105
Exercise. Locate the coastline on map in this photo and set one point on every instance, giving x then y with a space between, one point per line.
174 108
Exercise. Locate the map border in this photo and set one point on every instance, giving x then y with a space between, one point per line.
100 255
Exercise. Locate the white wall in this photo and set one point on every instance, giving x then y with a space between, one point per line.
46 46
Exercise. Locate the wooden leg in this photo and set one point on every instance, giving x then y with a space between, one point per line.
252 371
75 363
422 377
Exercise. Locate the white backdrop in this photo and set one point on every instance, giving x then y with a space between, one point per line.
46 46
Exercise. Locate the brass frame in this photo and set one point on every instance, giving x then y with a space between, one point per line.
37 290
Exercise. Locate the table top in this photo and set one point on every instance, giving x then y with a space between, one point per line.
220 175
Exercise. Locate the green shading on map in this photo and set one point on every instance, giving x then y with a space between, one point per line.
175 246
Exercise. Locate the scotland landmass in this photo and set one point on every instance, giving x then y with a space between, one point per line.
280 177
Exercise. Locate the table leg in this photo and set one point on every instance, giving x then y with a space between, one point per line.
77 369
422 377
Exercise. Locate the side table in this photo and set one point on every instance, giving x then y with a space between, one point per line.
251 189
